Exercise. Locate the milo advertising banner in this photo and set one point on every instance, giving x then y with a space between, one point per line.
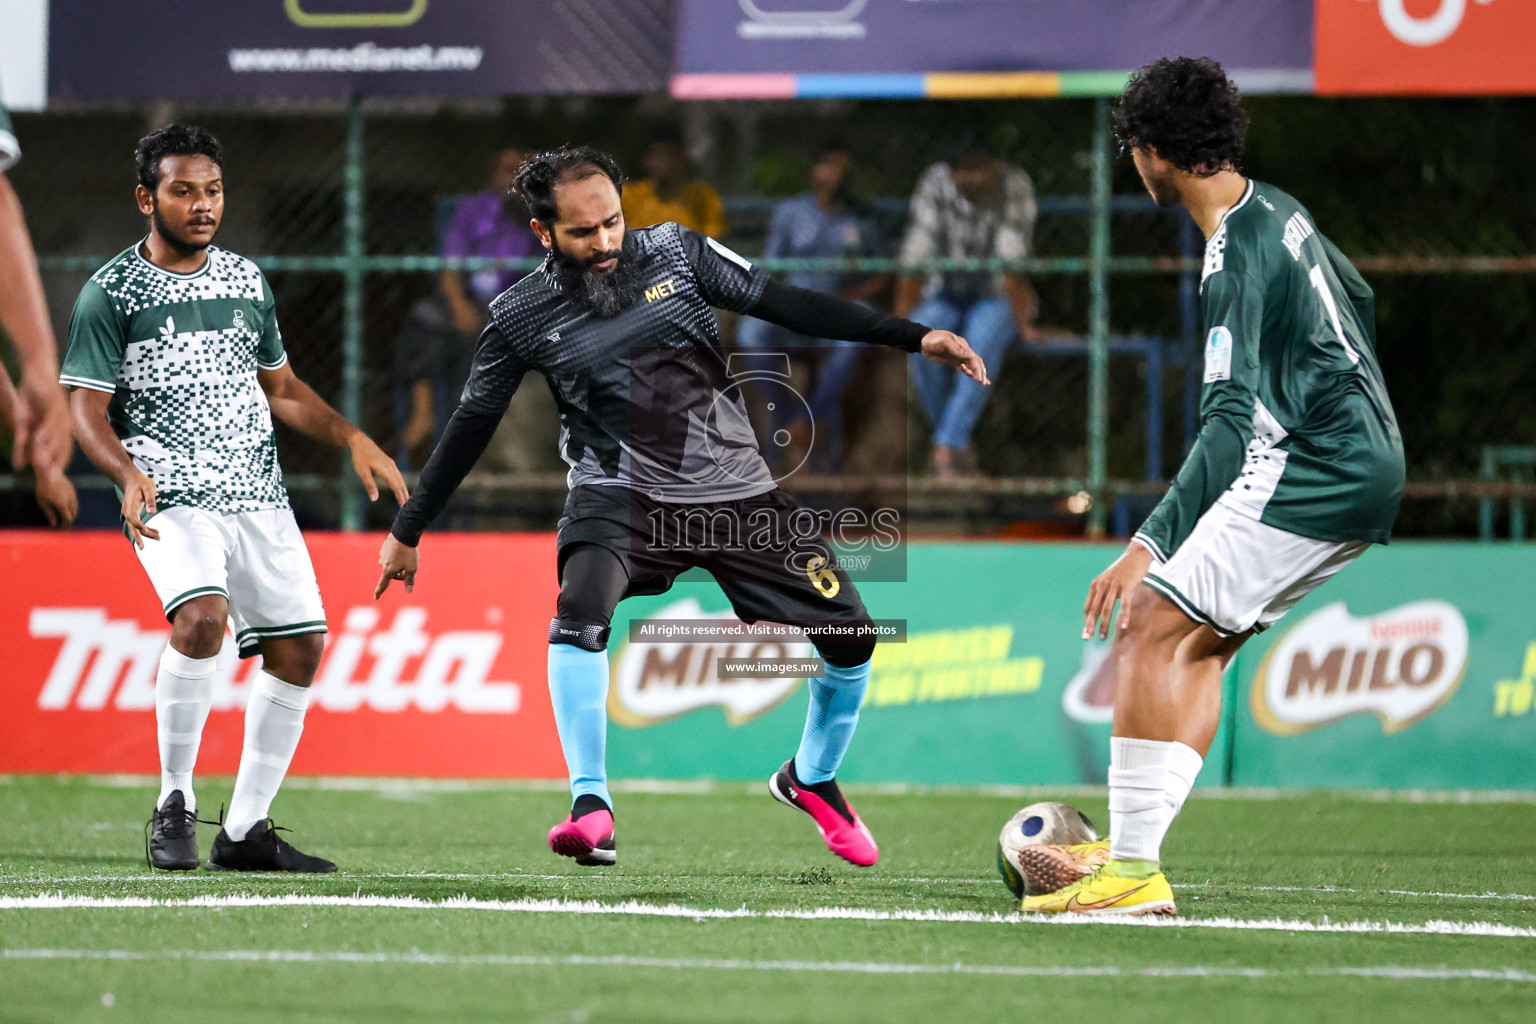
990 685
1414 668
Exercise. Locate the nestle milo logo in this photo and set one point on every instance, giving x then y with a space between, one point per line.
1400 666
655 681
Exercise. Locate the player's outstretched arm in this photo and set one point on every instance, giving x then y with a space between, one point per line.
88 411
55 494
296 404
38 413
464 440
493 380
820 315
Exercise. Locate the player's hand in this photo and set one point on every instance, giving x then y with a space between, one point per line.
949 349
57 497
1114 585
396 562
139 498
42 426
371 464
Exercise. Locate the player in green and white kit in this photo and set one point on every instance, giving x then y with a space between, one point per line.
177 366
1298 468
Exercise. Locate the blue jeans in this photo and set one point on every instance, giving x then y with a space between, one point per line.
952 400
833 376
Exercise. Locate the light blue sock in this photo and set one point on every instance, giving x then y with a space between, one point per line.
578 689
830 721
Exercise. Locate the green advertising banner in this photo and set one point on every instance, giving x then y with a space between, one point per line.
974 696
1414 668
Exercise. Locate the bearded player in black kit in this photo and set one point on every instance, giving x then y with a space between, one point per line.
620 324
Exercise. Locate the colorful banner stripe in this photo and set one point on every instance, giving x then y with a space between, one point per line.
949 85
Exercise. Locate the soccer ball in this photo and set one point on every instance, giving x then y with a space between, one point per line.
1043 824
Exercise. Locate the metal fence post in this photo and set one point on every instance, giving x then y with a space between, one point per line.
1098 318
353 251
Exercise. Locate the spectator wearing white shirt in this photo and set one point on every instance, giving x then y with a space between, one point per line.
978 207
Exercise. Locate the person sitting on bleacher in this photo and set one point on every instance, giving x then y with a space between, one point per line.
977 207
668 193
826 221
432 353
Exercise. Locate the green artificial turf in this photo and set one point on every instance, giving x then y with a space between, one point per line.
1323 859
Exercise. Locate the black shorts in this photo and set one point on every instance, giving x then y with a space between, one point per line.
762 551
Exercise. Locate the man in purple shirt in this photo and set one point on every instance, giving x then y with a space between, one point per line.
432 356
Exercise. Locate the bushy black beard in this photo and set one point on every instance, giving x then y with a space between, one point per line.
605 295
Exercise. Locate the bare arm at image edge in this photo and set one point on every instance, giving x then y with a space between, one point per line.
41 418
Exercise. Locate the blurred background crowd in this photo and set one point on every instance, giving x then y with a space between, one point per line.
970 215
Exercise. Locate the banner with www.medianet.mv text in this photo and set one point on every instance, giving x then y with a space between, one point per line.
260 49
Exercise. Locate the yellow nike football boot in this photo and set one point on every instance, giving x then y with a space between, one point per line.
1111 889
1048 868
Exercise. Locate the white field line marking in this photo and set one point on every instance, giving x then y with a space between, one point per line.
708 788
1345 889
801 966
506 876
631 908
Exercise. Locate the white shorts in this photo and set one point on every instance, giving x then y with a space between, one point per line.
1237 574
256 560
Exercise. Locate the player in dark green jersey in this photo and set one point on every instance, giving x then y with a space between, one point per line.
1298 468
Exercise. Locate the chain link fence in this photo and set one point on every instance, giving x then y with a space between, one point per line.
1433 198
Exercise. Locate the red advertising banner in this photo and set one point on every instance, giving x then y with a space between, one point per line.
447 682
1425 47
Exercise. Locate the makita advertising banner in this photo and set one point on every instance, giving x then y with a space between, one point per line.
1414 668
919 47
447 682
180 49
1426 47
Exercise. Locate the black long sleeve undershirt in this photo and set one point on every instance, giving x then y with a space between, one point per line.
820 315
801 310
464 440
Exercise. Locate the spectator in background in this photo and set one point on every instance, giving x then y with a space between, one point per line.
668 194
979 208
827 221
433 352
35 414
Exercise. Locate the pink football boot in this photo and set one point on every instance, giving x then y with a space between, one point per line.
839 825
589 839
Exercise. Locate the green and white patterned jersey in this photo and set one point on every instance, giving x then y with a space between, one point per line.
179 353
1296 427
10 149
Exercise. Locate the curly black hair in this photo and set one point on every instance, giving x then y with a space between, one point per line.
1188 110
173 140
536 179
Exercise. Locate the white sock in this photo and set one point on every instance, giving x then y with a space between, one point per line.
274 718
183 695
1138 810
1183 766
